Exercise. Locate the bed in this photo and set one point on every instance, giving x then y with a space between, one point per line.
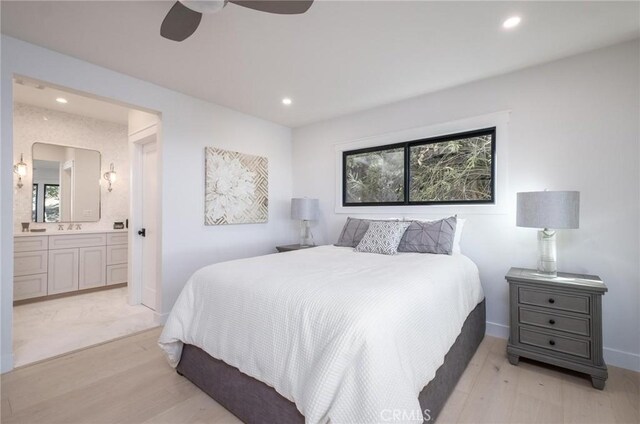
328 334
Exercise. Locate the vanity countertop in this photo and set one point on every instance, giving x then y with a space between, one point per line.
67 232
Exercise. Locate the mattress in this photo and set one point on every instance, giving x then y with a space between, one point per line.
331 330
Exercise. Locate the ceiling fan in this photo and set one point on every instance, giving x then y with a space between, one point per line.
184 17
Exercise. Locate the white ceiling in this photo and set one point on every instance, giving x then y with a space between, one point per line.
339 57
26 91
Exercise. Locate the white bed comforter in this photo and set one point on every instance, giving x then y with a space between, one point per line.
349 337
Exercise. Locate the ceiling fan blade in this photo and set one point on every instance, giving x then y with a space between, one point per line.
180 22
283 7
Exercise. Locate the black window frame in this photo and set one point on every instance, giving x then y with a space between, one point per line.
407 169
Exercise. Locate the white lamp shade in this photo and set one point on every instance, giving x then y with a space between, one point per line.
548 209
305 209
21 169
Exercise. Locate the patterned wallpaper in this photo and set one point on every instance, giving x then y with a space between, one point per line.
34 124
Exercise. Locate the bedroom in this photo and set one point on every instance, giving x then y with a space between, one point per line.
563 83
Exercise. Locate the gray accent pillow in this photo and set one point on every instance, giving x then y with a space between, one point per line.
429 237
352 232
354 229
382 237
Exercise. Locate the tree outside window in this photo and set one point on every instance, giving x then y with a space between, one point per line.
51 203
452 169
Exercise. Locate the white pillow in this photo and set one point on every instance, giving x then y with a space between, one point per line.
456 237
383 237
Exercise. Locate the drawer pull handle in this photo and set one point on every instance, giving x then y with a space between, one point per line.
552 321
552 300
552 343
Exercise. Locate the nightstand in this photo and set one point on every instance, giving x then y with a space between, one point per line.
557 320
290 247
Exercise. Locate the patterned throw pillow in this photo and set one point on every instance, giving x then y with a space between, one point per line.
382 237
429 237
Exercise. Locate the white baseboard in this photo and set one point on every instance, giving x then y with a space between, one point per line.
619 358
616 358
497 330
160 319
6 363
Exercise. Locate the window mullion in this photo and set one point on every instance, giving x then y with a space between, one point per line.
406 173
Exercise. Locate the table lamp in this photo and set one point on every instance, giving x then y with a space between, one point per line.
305 210
549 211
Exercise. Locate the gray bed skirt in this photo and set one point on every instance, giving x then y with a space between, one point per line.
254 402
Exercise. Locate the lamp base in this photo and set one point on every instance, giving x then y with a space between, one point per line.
547 252
306 237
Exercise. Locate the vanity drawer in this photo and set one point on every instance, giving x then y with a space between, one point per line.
28 263
117 274
556 343
117 238
29 244
77 240
541 318
29 286
550 299
118 254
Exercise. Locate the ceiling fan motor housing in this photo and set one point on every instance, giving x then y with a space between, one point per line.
205 6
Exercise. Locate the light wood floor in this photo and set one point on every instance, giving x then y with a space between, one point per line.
128 381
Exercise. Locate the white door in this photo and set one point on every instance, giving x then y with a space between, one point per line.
149 230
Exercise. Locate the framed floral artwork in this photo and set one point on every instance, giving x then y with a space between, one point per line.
236 188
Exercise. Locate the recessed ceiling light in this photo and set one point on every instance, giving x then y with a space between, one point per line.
61 100
511 22
286 101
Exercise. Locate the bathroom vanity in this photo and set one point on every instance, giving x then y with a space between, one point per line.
73 261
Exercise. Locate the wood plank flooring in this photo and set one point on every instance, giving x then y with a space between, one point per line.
128 381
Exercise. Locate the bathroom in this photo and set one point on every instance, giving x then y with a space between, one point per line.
72 203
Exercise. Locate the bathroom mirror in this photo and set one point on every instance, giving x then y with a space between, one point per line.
66 184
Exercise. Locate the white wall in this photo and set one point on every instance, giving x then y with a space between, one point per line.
574 125
188 125
110 139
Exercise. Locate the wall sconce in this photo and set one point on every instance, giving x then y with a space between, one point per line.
110 176
20 168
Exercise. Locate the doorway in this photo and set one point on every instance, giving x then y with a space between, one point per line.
72 285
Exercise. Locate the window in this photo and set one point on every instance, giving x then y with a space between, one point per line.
51 204
375 175
451 169
34 202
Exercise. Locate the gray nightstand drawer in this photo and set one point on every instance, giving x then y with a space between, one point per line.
554 321
555 342
550 299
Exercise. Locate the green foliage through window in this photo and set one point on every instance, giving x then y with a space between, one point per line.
51 203
376 176
34 202
457 168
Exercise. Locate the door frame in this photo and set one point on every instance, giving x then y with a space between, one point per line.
137 140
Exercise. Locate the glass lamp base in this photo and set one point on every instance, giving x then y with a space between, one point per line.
306 238
547 252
